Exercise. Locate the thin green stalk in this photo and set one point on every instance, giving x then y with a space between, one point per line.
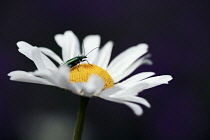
80 118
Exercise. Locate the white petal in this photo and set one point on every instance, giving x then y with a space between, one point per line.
119 75
48 63
51 54
105 55
23 76
69 44
25 49
138 86
91 42
61 80
93 86
36 57
136 108
138 77
134 99
110 91
156 81
60 40
28 49
127 58
128 95
131 89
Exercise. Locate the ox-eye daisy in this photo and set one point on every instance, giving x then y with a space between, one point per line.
98 78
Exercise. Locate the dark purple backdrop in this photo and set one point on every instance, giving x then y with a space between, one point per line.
178 34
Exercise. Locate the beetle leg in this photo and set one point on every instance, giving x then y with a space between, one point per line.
88 62
78 66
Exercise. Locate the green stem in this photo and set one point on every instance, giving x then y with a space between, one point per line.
80 118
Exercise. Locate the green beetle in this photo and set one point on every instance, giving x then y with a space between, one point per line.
78 59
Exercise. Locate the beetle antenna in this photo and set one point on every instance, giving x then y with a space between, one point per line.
92 50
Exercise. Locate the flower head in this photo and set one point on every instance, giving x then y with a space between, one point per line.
98 77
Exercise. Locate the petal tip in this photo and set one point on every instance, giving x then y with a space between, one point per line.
111 43
144 45
68 32
93 37
22 44
170 78
9 74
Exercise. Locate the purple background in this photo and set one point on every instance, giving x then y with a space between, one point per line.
178 35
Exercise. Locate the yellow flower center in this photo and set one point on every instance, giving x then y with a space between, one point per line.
82 72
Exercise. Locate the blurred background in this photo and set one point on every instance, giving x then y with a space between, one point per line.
178 35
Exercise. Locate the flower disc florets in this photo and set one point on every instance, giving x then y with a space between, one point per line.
82 72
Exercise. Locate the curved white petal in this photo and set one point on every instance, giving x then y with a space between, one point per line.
137 77
156 81
119 75
23 76
41 61
109 91
91 42
128 94
135 107
69 44
35 55
25 49
105 55
131 98
61 80
120 63
132 89
93 86
135 87
51 54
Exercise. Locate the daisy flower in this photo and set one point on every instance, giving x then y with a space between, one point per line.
97 78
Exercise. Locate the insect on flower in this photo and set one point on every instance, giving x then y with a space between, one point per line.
100 78
78 59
